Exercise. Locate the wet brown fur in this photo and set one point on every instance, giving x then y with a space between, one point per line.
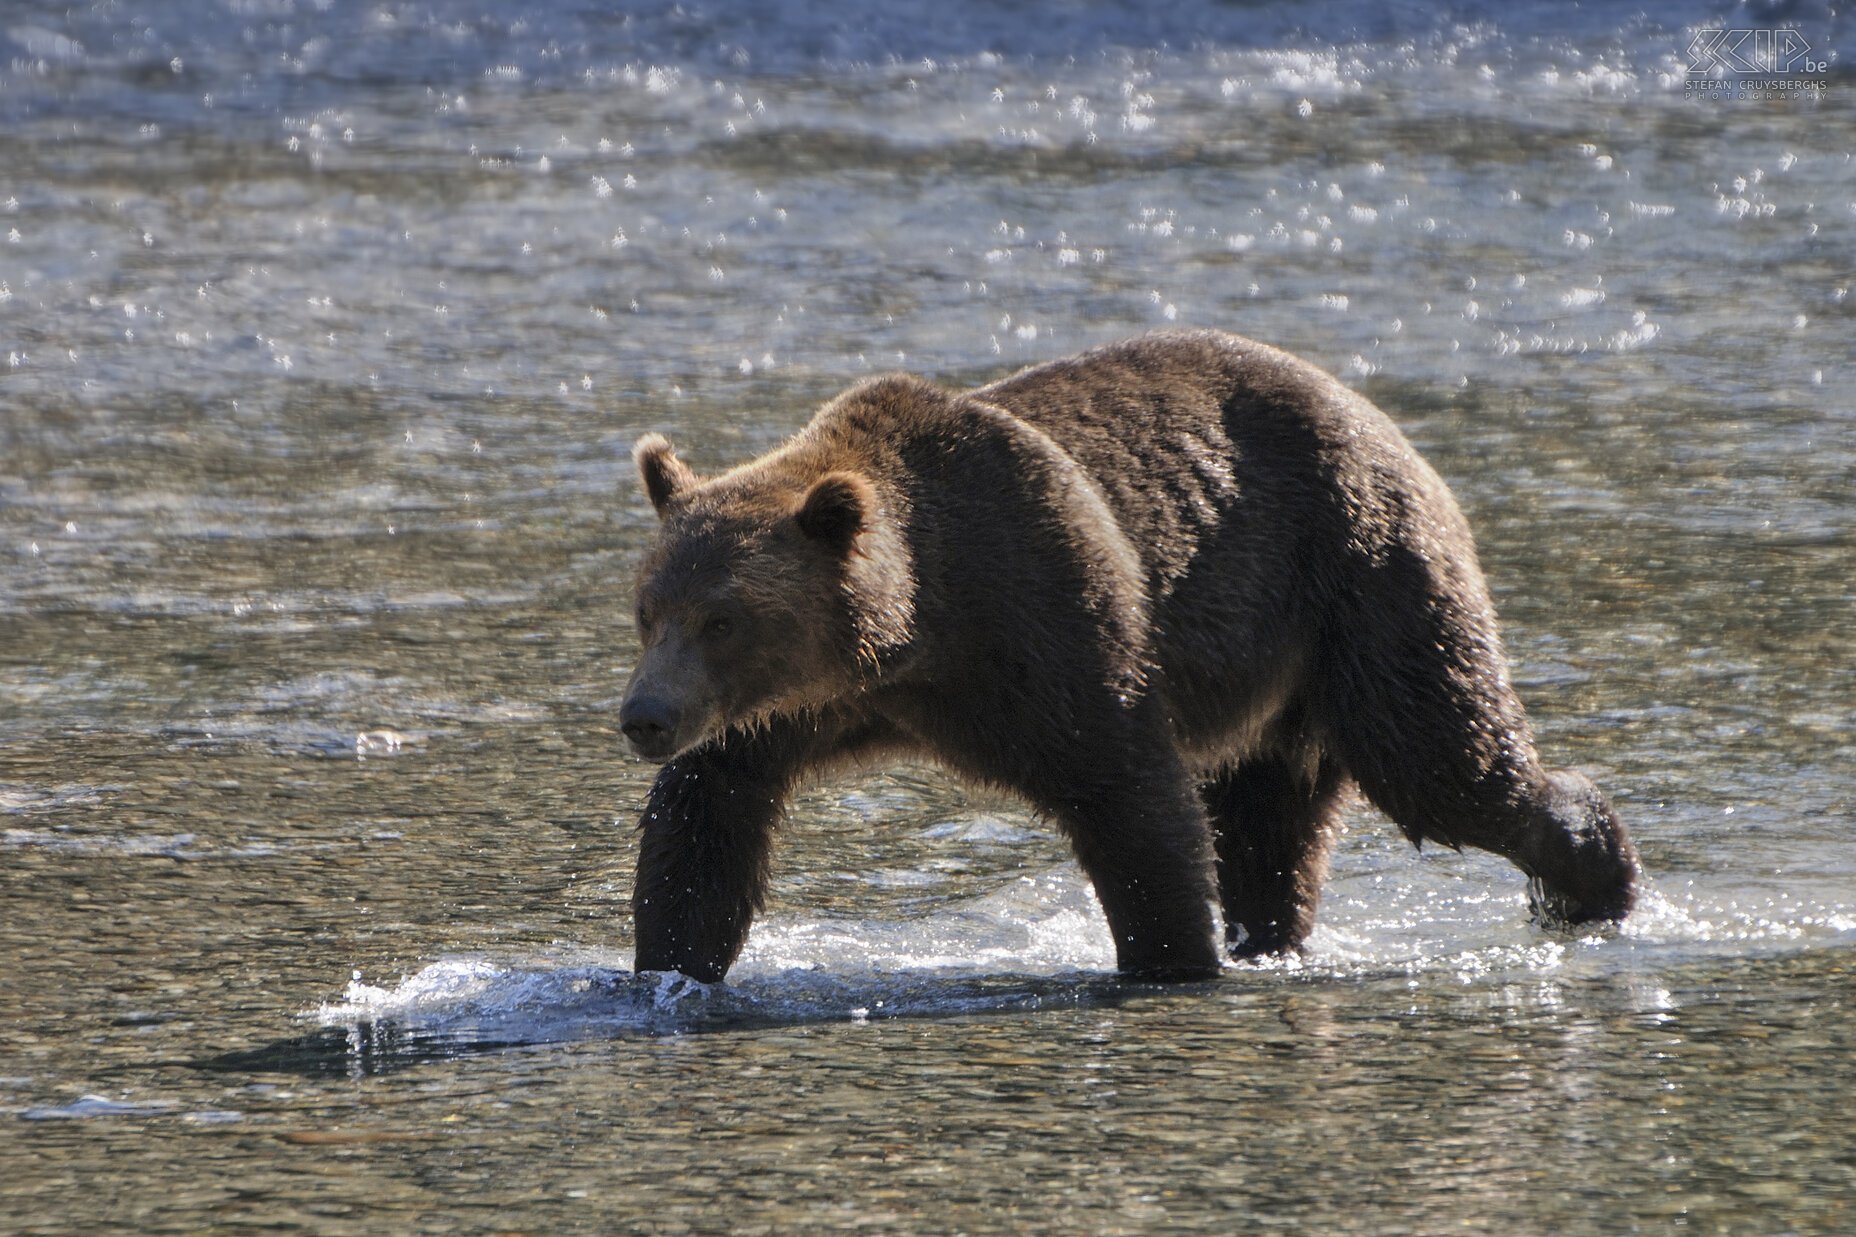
1176 592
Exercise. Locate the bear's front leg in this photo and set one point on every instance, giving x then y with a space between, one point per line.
1145 845
703 859
1112 779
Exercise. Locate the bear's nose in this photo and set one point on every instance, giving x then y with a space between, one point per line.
651 724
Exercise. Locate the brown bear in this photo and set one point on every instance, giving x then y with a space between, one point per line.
1176 592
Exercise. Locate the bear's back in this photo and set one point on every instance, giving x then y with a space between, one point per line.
1203 437
1261 495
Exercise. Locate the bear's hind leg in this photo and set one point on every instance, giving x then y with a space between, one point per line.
1557 827
1275 826
1580 860
1453 769
1414 701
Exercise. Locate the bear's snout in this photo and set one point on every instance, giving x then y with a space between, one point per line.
650 723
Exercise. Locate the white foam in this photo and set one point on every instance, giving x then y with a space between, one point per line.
1038 941
95 1106
1037 925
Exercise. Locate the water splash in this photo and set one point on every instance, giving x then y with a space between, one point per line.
1039 942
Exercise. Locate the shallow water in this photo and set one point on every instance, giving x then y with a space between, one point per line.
327 330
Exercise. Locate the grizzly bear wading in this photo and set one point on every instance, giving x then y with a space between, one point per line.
1176 592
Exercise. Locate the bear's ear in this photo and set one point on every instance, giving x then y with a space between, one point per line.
664 475
836 508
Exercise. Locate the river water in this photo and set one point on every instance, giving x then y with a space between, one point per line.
327 327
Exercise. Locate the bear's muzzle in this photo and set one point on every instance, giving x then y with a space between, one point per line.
650 724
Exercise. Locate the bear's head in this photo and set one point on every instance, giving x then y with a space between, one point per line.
770 589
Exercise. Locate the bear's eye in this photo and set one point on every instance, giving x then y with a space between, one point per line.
718 626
